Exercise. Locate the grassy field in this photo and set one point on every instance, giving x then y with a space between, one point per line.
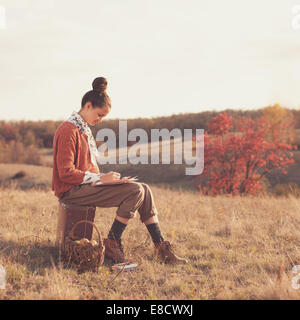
238 248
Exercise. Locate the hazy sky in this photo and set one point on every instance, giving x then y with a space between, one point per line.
160 56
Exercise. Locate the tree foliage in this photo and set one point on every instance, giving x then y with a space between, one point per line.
238 153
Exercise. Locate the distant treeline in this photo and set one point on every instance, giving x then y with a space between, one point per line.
40 133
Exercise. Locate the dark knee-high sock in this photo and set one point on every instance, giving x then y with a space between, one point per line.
155 232
116 230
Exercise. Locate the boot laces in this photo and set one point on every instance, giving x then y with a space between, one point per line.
121 246
170 246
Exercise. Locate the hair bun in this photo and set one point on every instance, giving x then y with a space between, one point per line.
99 85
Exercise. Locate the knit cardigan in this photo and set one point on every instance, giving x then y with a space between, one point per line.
71 158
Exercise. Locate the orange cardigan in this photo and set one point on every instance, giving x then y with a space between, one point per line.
71 158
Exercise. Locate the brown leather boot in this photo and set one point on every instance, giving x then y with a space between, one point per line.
164 251
114 250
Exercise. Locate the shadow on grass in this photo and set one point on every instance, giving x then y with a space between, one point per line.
36 255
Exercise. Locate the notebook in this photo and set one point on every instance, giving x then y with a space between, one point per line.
131 179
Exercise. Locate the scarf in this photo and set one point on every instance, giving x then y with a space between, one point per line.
82 126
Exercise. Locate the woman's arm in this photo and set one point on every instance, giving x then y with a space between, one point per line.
65 158
90 177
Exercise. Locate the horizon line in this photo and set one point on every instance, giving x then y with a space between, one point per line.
167 116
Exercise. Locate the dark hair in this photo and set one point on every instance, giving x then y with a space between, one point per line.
98 96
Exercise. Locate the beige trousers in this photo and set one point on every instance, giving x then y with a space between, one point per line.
128 197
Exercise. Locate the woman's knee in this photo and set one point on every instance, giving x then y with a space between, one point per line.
145 186
137 188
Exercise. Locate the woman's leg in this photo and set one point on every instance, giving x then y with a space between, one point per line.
151 220
129 197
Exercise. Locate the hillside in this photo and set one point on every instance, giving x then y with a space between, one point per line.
35 176
172 176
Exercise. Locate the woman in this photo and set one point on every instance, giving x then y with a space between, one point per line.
76 174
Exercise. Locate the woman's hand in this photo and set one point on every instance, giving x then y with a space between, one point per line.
110 177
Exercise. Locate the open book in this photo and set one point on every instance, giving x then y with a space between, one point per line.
121 181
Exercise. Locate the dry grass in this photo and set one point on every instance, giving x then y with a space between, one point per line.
35 176
238 248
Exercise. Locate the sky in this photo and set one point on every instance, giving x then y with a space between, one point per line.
161 57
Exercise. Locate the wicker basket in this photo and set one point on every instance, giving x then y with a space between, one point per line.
86 257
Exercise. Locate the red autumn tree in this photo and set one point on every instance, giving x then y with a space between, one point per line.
238 153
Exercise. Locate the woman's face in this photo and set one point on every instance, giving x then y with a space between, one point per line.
94 115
